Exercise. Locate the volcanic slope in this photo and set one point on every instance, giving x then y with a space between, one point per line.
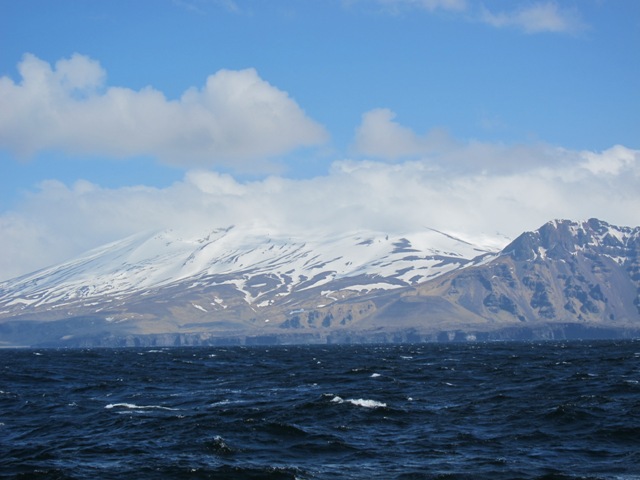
230 279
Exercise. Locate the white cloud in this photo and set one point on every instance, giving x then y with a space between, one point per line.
236 119
380 136
430 5
536 18
612 162
200 6
60 221
529 17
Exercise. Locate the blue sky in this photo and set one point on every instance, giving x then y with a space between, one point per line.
382 114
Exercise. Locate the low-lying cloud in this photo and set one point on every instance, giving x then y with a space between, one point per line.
236 119
59 221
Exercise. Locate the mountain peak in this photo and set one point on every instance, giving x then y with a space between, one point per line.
558 238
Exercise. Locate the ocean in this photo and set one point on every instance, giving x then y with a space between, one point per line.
548 410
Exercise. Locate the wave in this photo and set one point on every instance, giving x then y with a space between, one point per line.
360 402
254 412
133 406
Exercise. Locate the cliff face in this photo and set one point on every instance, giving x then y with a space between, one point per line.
566 279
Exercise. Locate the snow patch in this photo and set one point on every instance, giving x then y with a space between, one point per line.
202 309
373 286
20 301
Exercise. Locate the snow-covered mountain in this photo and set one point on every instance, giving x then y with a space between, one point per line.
241 283
259 264
157 282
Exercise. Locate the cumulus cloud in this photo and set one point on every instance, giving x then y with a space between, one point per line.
236 119
59 221
380 136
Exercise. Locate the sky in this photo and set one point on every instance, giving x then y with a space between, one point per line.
482 118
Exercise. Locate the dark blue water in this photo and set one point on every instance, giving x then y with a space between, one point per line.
499 410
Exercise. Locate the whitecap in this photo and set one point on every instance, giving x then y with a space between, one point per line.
360 402
224 402
133 406
374 375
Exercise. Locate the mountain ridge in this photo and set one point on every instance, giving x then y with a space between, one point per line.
235 285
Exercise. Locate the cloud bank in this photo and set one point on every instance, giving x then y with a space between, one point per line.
236 119
503 197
